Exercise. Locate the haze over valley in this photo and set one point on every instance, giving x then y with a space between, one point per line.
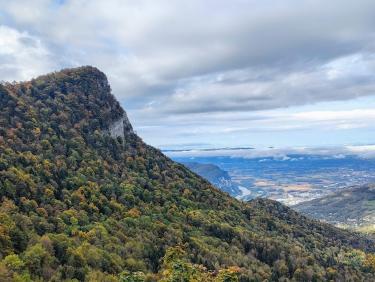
290 176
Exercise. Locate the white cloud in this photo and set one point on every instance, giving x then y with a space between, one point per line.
283 154
22 56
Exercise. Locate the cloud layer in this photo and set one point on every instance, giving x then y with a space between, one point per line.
176 62
281 154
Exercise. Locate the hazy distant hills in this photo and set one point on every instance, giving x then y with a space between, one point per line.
290 179
214 174
354 206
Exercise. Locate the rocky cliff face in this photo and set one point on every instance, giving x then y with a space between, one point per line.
120 127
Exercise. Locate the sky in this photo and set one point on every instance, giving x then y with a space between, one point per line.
213 73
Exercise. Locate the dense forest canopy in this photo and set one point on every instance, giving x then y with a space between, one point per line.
80 205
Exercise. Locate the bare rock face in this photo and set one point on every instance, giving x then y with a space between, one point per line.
120 127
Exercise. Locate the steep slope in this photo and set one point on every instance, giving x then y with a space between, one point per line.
353 206
216 176
82 197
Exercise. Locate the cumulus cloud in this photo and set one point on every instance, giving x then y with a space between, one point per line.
22 56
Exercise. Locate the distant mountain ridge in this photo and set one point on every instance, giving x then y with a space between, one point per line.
215 175
354 206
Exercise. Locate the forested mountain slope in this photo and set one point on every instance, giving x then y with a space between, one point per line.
83 198
354 206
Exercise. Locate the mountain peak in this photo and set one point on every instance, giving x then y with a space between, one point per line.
82 95
86 79
77 72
